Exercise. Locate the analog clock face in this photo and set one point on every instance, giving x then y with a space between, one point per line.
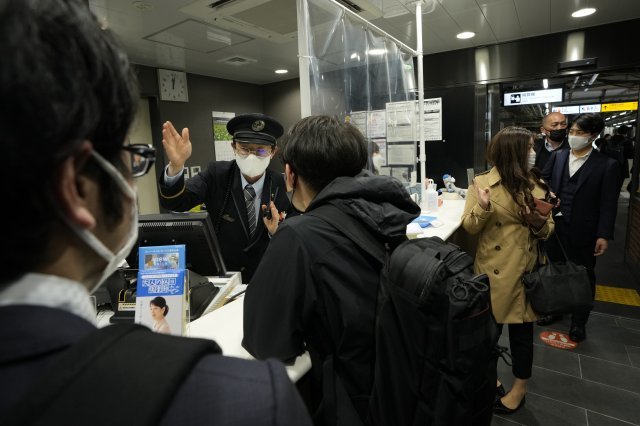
172 85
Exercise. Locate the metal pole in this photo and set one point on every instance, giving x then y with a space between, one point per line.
420 102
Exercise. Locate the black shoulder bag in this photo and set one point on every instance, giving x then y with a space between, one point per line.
557 288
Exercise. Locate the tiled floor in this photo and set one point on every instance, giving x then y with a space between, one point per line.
598 382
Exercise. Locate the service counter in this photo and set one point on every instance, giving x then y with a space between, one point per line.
224 325
449 216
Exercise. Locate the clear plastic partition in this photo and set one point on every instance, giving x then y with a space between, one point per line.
351 70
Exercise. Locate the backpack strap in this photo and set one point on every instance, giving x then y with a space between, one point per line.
120 373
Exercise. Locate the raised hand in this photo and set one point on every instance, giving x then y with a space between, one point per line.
483 196
177 147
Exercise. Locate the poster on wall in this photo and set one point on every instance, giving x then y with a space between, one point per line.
400 121
221 138
377 124
432 119
359 120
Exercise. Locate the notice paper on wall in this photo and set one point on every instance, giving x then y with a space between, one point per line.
221 138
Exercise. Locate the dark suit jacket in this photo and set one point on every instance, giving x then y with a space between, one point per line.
219 390
220 184
595 202
542 155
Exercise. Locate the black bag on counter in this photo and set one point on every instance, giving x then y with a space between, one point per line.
557 288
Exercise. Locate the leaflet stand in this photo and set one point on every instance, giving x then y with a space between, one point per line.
226 285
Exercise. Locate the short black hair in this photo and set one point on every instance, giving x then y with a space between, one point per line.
321 148
622 130
63 80
592 123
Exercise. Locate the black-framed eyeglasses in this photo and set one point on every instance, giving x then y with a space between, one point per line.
142 158
258 152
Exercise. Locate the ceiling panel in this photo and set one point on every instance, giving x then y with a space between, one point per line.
533 16
503 18
267 29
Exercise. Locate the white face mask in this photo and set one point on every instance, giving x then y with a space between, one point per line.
578 142
531 160
113 259
252 165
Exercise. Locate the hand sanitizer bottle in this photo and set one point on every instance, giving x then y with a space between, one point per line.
432 197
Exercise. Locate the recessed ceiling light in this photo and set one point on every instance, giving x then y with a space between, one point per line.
282 71
466 34
583 12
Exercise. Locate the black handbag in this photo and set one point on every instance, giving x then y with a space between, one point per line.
557 288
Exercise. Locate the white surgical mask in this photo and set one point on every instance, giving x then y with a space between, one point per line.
531 159
113 259
578 142
252 165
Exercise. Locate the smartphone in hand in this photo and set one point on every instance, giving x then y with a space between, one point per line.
543 207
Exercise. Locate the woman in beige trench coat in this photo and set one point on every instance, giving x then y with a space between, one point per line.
500 209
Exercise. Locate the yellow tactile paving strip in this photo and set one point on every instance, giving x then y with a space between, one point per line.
622 296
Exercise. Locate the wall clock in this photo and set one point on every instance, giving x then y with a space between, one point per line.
172 85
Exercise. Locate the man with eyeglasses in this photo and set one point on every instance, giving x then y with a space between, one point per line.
69 97
244 198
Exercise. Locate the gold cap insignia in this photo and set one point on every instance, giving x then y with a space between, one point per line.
257 126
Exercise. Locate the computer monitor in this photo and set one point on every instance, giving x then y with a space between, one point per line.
194 230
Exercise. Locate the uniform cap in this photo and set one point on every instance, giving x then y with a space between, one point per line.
255 128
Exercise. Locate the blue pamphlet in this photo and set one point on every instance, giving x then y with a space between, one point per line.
424 220
161 299
154 258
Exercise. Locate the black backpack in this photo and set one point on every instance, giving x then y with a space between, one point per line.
435 335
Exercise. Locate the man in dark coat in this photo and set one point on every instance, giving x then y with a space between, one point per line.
69 98
315 288
553 130
243 232
586 182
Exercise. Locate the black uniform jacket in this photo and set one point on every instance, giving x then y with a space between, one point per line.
219 390
317 290
595 202
220 185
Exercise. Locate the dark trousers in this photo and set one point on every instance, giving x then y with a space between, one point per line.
521 345
582 255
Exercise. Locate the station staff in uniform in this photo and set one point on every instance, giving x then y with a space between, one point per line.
234 192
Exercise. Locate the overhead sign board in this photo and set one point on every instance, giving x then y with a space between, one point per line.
590 108
571 109
620 106
533 97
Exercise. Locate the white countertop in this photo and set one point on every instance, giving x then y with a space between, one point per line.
224 325
450 217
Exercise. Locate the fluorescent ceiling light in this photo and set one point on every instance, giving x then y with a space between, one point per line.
282 71
355 56
545 83
465 35
376 52
583 12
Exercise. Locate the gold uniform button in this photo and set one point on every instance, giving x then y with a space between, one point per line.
495 271
498 248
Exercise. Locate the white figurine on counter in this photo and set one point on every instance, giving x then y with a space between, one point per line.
449 186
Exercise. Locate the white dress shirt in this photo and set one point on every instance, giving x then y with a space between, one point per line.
51 291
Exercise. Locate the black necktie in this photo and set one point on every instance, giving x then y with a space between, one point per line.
249 196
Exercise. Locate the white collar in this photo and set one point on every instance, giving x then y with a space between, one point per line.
51 291
257 185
